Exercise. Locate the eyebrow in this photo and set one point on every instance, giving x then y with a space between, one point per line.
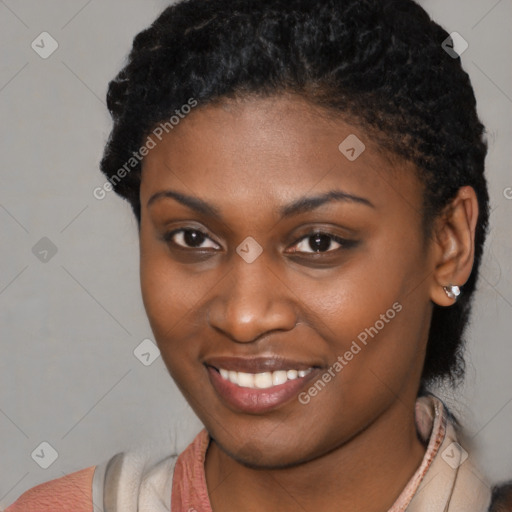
301 205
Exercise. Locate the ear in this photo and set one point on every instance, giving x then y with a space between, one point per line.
454 240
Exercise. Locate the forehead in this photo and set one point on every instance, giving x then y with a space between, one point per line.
272 150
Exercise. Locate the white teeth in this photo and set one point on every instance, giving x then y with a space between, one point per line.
262 380
292 374
279 377
246 380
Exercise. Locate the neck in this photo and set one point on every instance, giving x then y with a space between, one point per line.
365 474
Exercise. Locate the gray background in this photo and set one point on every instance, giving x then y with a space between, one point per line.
69 325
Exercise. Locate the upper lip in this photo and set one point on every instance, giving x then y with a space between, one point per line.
257 364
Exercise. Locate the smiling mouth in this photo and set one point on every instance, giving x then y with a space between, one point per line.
261 392
261 380
257 385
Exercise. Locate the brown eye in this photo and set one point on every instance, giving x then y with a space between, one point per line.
191 239
321 243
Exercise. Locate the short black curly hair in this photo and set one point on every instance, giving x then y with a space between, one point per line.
379 63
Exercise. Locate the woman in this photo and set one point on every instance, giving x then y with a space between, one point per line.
308 181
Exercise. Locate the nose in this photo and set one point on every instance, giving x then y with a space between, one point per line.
252 302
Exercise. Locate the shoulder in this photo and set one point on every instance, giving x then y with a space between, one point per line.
70 492
143 473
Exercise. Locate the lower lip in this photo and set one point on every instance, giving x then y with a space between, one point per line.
257 400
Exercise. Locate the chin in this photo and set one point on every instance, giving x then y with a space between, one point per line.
251 456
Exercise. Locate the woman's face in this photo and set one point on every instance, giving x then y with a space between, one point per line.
286 279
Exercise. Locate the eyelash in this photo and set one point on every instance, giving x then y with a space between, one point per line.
344 243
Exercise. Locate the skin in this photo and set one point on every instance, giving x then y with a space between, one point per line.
354 446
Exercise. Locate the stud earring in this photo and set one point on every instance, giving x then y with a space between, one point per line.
452 290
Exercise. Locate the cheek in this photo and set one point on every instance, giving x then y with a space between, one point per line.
354 296
167 293
169 300
168 296
169 289
375 314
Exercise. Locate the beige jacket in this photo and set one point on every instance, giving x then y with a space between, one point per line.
448 479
